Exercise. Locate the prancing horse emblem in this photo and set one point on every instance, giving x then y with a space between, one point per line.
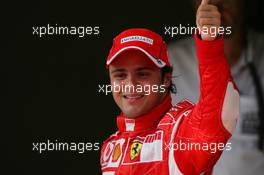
135 149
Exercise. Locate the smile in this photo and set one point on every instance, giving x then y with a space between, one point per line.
133 96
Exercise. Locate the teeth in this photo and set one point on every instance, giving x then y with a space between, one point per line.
133 97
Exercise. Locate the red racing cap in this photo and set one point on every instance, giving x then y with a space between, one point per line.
144 40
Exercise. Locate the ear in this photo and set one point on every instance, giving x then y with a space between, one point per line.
167 80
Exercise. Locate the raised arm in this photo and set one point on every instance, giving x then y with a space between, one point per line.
213 118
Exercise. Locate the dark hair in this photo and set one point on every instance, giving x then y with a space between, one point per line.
165 70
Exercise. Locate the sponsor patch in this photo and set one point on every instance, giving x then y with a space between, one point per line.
117 152
137 38
130 124
112 154
144 149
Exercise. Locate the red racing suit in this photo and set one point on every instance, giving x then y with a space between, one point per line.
159 143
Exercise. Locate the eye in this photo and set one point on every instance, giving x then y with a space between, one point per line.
143 74
120 76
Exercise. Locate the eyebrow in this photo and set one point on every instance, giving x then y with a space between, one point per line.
143 68
118 70
137 69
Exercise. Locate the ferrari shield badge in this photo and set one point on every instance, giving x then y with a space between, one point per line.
135 149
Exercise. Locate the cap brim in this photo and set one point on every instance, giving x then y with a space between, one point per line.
156 61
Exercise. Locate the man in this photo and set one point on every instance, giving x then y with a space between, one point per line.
151 130
244 52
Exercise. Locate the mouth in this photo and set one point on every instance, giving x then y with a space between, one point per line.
133 97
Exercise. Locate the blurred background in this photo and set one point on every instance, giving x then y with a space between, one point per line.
51 83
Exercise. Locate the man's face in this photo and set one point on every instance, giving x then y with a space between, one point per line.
135 68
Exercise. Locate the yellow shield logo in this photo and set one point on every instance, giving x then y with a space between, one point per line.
135 149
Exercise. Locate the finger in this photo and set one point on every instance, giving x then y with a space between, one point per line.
206 14
205 2
209 21
207 8
209 31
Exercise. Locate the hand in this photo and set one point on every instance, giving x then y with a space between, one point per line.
208 20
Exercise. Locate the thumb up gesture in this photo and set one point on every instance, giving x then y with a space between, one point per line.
208 20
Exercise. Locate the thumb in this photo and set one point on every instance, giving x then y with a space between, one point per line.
204 2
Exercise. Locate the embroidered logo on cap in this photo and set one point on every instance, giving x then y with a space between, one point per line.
137 38
160 62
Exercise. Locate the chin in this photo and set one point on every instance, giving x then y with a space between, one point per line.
132 113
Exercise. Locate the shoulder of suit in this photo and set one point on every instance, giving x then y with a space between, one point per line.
173 114
111 137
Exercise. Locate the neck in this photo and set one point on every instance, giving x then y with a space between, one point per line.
144 122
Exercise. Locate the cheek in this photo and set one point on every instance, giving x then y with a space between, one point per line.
116 86
152 80
117 93
117 98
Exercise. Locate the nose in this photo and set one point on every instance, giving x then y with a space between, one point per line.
131 80
130 84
